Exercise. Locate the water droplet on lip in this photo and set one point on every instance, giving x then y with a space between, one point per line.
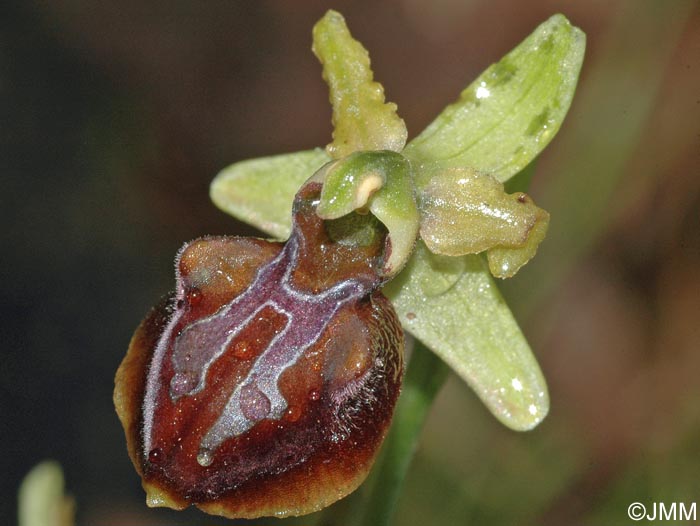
293 413
255 405
194 296
155 455
182 384
242 350
314 395
205 457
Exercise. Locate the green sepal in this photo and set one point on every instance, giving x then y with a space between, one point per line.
261 191
453 306
506 117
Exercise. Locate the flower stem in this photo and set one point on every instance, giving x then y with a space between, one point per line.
425 375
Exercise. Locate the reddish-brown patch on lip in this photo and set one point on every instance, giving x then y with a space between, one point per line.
339 393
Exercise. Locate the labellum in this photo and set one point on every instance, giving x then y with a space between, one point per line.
266 383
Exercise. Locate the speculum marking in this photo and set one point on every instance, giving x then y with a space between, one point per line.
257 396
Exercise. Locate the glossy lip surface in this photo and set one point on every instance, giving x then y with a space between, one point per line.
251 433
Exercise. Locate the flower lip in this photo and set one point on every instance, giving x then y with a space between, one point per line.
271 392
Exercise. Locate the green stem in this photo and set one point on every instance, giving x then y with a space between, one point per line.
425 375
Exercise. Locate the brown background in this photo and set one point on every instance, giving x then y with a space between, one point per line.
116 115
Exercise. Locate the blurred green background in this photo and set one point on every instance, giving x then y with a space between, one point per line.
115 116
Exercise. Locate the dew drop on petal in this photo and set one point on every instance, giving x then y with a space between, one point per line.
482 92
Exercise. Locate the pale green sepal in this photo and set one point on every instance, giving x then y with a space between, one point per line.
511 112
381 182
466 322
261 191
361 118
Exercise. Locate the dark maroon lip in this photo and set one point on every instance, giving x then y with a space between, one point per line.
270 379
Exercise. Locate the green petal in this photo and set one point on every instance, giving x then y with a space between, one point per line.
457 311
504 262
511 112
260 192
499 125
467 212
361 118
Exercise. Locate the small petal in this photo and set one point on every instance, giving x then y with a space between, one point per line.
504 261
361 118
467 212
